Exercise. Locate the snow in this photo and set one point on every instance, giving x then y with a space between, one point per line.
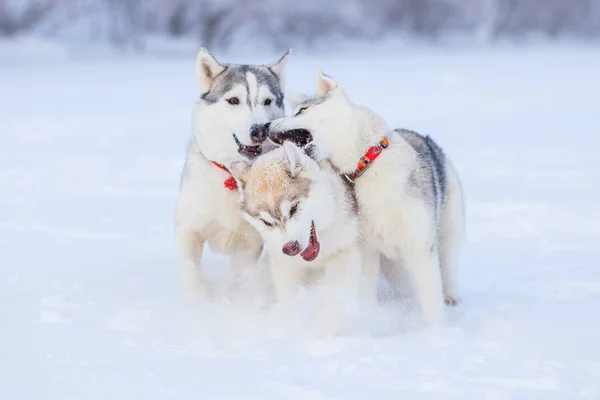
91 150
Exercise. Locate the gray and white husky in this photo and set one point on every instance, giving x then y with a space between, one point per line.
306 213
234 101
409 194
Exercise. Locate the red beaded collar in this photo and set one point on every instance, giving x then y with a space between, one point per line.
230 183
367 159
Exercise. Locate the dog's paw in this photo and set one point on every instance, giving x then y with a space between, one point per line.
193 287
195 292
452 301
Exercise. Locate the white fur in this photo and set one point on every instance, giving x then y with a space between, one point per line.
207 212
396 224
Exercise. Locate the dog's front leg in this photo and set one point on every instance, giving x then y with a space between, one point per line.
286 278
241 266
191 246
370 266
340 289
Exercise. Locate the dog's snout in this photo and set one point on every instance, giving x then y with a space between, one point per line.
258 132
291 248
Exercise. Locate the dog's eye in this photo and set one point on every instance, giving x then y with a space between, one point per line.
267 102
270 225
300 111
234 101
293 210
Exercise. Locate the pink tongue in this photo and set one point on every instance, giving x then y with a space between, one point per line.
312 251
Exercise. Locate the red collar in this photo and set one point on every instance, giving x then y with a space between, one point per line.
367 159
230 183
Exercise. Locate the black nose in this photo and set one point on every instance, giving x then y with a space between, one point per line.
258 132
291 248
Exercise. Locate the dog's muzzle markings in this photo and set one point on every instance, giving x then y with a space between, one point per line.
367 159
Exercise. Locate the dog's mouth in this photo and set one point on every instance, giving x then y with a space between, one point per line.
250 152
300 137
311 252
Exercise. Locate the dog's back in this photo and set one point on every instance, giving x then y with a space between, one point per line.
433 159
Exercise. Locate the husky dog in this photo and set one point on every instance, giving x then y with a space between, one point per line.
306 213
234 101
409 194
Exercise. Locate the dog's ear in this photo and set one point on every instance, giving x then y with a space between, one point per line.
239 170
294 158
325 84
279 66
295 98
207 69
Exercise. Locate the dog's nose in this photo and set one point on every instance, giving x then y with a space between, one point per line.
258 132
291 248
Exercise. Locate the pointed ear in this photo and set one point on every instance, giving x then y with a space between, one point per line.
325 84
294 157
207 69
279 66
295 98
239 170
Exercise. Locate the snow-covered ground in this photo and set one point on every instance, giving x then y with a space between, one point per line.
90 155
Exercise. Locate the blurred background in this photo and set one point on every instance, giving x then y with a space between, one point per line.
221 24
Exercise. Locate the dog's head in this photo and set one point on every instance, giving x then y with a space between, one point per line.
235 102
322 119
288 199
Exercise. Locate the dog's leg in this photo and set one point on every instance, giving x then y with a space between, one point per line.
451 235
370 265
286 279
191 246
395 273
423 267
419 251
340 287
241 265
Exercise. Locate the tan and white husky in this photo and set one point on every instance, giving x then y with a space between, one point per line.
306 214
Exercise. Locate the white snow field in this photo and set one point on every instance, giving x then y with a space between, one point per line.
91 150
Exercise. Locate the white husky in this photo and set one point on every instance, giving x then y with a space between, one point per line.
234 101
306 213
409 194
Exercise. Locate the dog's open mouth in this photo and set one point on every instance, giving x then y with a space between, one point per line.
312 250
250 152
300 137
